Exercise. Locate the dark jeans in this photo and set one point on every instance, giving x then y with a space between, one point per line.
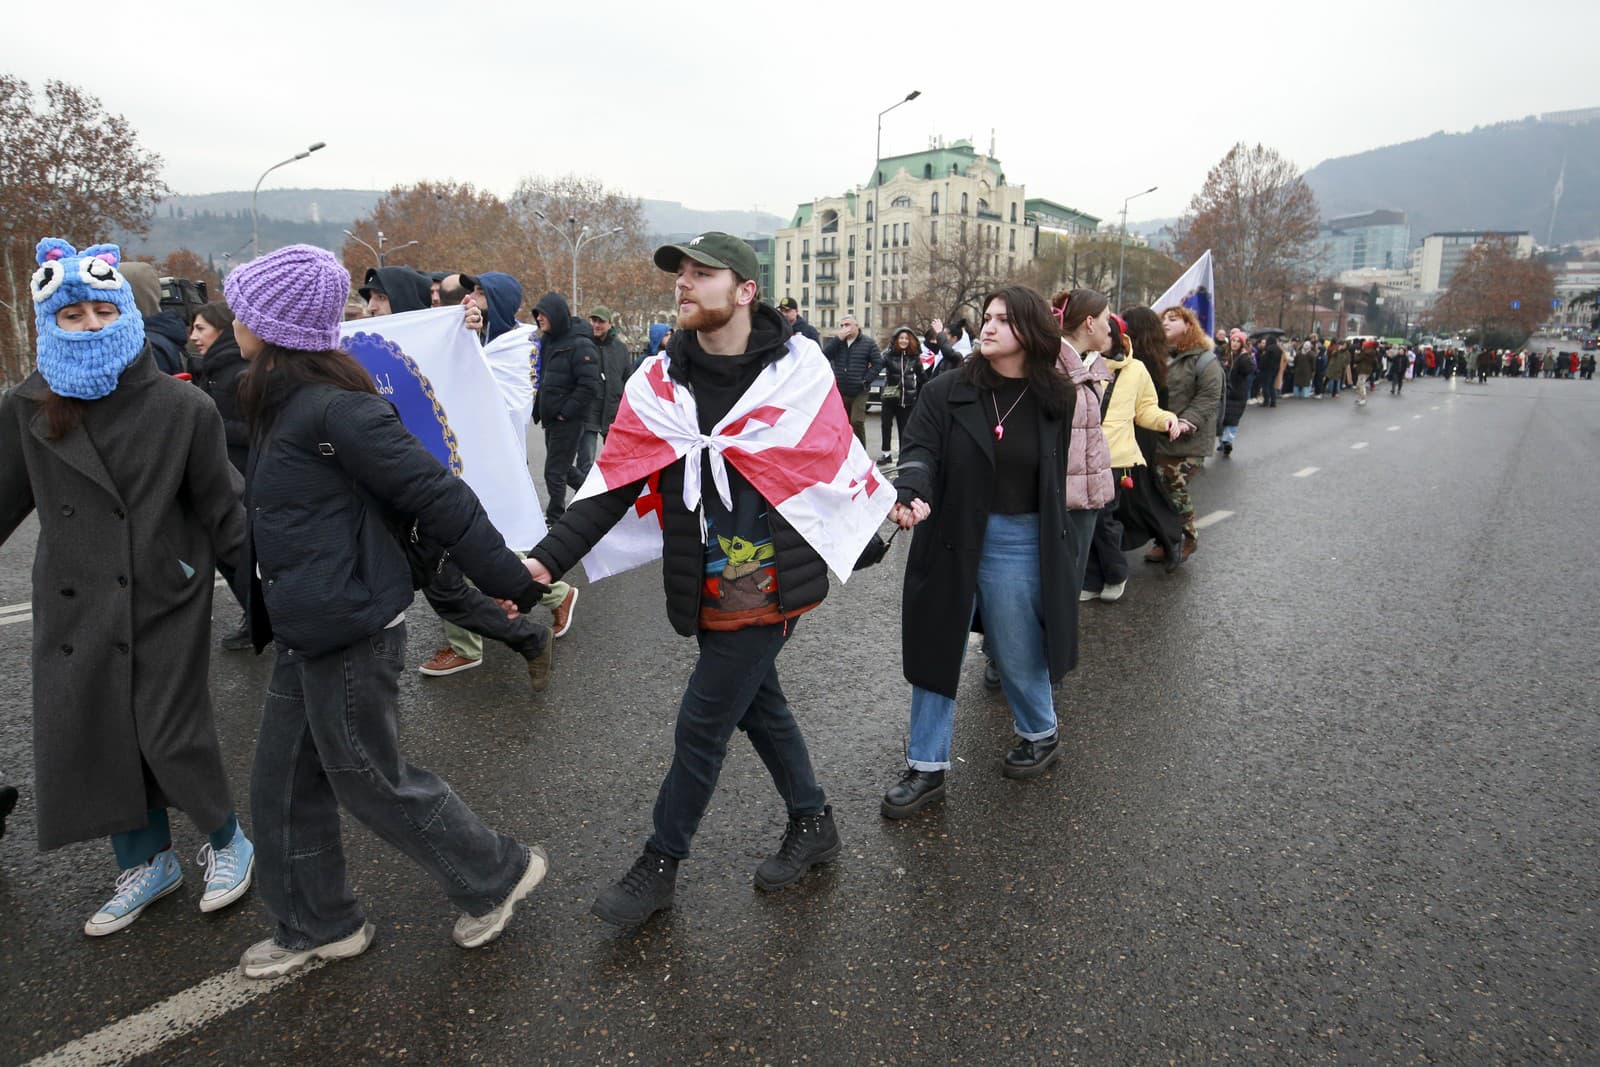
588 448
735 683
561 440
328 740
455 601
893 415
1106 564
1269 394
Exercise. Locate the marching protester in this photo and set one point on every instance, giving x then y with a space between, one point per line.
1194 391
569 380
1305 371
1084 317
789 307
1271 363
615 366
333 475
135 514
856 362
983 480
1132 420
1399 369
903 375
938 357
217 374
1366 366
1240 364
739 571
1338 369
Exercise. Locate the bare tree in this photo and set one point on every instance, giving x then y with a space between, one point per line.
948 277
455 226
615 266
70 170
1500 296
1092 262
1258 217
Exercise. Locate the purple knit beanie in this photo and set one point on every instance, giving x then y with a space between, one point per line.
292 298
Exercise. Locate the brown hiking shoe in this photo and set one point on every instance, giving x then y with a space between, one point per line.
448 661
539 663
563 613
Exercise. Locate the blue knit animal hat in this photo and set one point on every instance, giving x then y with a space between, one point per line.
83 365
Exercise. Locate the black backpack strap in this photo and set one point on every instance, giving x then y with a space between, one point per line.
1105 398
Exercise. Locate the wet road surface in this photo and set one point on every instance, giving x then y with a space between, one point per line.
1328 793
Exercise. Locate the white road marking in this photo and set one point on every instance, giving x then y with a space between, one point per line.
1212 519
1359 444
1416 416
1391 427
9 619
144 1032
17 610
1434 408
9 608
1306 472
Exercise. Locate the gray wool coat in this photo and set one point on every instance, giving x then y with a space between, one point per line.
137 506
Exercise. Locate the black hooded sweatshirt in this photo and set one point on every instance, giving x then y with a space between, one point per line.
569 367
407 289
777 574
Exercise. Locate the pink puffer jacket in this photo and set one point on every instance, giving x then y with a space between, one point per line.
1089 482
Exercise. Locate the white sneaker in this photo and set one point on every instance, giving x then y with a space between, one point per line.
474 930
268 959
1113 593
1086 595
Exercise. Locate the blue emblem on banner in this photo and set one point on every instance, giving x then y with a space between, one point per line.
401 382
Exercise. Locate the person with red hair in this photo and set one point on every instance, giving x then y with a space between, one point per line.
1194 391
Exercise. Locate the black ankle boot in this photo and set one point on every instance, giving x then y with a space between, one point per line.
1032 758
914 791
644 890
808 841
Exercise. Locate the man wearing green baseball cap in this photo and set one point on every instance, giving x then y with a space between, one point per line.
615 366
738 576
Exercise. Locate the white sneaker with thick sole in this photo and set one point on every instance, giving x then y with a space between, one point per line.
1086 595
474 930
268 959
1112 593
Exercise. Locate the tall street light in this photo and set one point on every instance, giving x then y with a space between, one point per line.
1122 240
255 222
877 178
575 241
380 253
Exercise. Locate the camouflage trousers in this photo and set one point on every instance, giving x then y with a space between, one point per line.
1174 475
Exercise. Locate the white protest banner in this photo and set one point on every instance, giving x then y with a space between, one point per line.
431 367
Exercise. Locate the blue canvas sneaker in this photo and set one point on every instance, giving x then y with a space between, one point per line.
137 888
228 871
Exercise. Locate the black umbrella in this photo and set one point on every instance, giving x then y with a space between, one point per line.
1270 331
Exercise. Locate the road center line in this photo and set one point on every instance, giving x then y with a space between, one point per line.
9 608
9 619
1359 444
1212 519
1306 472
143 1032
1416 416
1391 428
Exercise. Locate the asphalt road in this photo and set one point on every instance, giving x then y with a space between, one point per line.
1329 794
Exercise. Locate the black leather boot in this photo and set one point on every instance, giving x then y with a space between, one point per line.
1032 758
644 890
914 791
808 841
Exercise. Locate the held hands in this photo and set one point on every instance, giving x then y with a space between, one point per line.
905 516
1176 428
509 607
538 572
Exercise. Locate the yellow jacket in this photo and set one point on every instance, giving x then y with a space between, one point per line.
1132 401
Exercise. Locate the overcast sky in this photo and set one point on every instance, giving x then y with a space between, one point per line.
726 105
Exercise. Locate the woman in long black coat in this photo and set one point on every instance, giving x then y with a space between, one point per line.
137 506
982 477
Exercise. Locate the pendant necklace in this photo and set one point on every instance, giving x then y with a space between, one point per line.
999 419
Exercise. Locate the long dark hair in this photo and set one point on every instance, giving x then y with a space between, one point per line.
1036 329
276 373
1076 306
62 413
218 315
1149 341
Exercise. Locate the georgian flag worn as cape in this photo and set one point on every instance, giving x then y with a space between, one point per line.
790 437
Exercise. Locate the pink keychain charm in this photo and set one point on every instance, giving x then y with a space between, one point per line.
999 432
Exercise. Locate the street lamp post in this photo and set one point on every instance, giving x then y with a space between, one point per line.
1122 239
877 179
1338 311
255 222
380 253
575 241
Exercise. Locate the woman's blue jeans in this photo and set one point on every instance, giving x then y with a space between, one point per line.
1009 593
